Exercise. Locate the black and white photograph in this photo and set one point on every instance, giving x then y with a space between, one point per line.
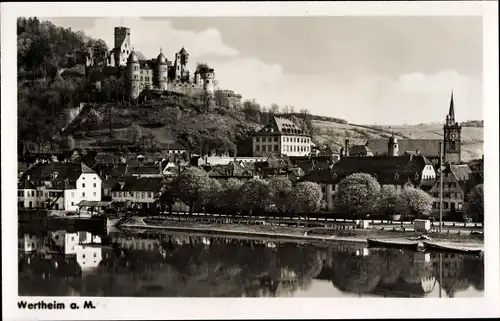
232 153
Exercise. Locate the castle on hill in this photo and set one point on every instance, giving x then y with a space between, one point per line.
158 74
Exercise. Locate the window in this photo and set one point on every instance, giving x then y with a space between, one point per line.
72 203
95 185
83 194
396 176
445 205
263 148
257 148
83 177
143 195
150 194
94 194
276 148
142 78
72 194
83 185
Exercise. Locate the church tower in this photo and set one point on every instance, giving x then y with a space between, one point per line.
452 135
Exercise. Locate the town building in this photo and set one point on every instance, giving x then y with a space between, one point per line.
281 136
429 148
137 193
455 179
232 170
59 186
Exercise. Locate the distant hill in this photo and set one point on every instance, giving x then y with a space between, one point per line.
334 134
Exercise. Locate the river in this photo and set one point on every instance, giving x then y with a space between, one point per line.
169 264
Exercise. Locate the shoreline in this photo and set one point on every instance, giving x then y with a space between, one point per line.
239 231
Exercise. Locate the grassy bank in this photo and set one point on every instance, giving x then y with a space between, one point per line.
304 233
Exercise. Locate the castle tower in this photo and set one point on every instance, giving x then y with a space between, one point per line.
133 73
452 133
122 47
180 64
161 71
208 78
393 146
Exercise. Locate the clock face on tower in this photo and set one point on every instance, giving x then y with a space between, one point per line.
453 136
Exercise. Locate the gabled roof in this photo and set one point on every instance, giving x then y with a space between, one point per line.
360 150
69 171
426 147
176 146
281 126
462 172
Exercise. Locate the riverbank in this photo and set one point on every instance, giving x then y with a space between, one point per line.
323 235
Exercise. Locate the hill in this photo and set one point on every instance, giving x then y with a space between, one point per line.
334 134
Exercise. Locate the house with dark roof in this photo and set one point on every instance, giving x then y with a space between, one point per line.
231 170
60 186
175 148
388 170
455 179
137 192
281 136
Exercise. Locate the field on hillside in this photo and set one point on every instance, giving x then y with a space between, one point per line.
335 134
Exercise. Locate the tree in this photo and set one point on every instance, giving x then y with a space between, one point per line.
389 199
274 109
212 194
280 188
254 195
306 197
416 202
252 110
191 185
357 193
230 194
476 199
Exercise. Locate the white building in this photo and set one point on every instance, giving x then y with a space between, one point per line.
59 186
281 136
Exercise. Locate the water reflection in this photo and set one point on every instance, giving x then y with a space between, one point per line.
61 263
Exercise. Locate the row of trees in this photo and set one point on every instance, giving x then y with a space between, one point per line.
195 188
358 194
362 194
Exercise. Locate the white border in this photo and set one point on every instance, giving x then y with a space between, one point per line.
153 308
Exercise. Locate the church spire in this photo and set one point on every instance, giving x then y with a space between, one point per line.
451 112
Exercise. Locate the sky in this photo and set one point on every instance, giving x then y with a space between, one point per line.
367 70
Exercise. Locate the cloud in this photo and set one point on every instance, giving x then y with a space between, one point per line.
409 98
149 35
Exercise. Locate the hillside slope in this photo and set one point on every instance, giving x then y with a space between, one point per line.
334 134
115 125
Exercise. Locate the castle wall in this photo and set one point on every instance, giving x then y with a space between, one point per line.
185 88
